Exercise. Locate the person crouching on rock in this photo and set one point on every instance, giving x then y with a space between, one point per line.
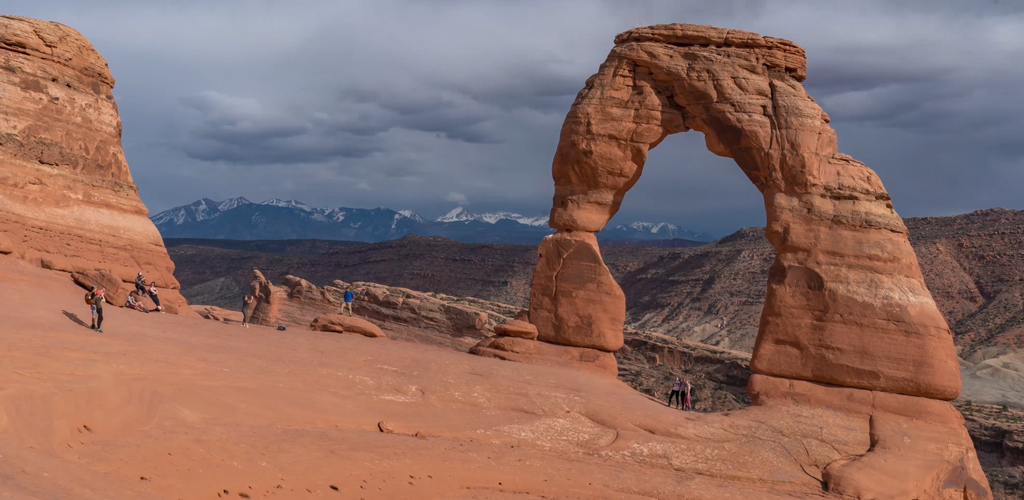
677 386
140 284
95 300
686 398
349 297
247 301
152 296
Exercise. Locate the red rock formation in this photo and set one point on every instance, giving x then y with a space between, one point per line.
215 313
338 323
543 353
846 303
114 290
264 309
570 272
404 306
848 323
67 200
516 328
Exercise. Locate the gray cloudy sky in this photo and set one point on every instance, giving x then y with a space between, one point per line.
431 104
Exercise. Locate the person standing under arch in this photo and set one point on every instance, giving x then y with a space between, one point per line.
686 397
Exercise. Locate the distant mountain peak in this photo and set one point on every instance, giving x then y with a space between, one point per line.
461 214
457 214
277 202
651 231
230 203
651 227
412 215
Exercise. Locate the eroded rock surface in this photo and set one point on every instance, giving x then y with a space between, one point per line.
67 200
516 328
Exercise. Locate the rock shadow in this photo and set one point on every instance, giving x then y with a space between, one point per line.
74 317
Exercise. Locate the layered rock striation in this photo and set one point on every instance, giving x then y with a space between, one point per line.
848 323
67 200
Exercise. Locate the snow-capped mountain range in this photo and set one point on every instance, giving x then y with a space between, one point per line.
275 219
459 214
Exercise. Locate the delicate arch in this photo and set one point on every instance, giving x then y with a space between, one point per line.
846 303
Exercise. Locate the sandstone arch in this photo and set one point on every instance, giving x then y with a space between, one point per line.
846 303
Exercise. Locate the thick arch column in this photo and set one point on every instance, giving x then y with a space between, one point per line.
846 303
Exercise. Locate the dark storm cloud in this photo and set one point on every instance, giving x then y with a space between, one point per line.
426 105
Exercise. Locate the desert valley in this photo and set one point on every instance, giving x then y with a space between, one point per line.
838 352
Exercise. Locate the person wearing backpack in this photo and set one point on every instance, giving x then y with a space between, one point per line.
95 300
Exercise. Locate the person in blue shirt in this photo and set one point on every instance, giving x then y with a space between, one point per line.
349 297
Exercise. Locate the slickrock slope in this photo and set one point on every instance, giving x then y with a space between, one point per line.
67 200
168 407
648 362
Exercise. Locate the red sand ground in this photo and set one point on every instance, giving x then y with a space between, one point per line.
161 406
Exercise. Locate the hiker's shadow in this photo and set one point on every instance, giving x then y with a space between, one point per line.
74 317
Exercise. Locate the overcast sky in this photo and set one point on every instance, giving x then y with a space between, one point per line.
431 104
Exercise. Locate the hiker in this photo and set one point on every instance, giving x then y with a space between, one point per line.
677 386
140 284
134 303
95 300
349 297
247 300
686 398
154 298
